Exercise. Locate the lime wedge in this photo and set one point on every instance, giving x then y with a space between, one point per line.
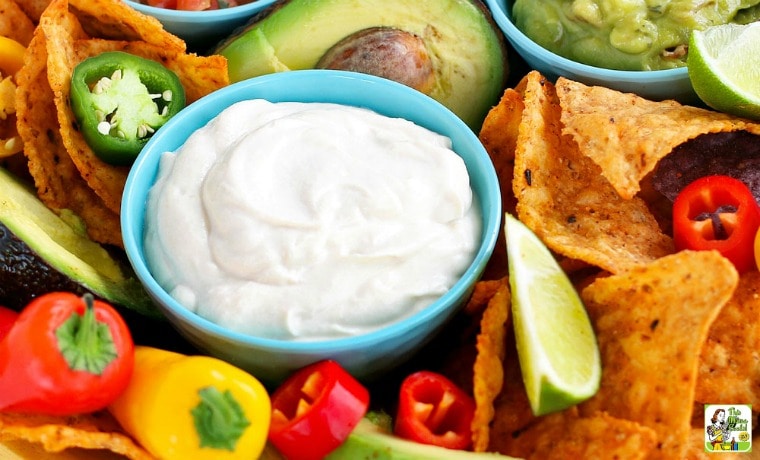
556 344
724 68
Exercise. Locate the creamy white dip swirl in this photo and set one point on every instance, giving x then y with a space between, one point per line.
304 221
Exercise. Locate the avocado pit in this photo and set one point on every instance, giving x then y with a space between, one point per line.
385 52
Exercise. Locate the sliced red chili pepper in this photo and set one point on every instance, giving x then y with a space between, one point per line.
65 355
8 318
717 212
315 410
434 410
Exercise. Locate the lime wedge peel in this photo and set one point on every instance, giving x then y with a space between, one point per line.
556 345
724 68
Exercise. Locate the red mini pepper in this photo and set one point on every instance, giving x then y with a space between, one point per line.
65 355
7 320
717 212
315 410
434 410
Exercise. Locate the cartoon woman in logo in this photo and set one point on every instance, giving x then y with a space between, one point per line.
718 430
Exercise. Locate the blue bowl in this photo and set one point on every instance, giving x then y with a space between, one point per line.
203 29
656 85
366 356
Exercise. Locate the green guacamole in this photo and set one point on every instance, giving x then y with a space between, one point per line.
625 34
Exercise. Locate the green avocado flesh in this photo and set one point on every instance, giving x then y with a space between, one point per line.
624 35
369 442
466 48
40 253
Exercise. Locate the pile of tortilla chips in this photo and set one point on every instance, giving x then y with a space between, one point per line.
675 330
69 177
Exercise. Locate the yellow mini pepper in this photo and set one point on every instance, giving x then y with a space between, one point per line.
11 56
193 407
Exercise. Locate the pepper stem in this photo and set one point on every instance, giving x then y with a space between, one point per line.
219 419
86 343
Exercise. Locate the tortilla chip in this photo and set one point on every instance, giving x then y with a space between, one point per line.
512 411
498 135
33 8
729 369
566 435
563 198
626 135
88 431
61 29
14 23
482 293
488 374
115 20
649 323
58 181
500 127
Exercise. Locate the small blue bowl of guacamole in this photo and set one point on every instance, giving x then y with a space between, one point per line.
670 83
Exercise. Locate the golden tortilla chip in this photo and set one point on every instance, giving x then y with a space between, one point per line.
650 322
482 293
14 22
498 135
566 435
729 369
115 20
500 127
626 135
488 374
88 431
563 198
59 183
33 8
512 411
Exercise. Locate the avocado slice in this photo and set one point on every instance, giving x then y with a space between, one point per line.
369 441
466 49
40 252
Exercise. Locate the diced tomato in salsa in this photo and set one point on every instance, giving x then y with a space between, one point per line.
171 4
194 5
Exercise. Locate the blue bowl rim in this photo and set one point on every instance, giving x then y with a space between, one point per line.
209 106
197 16
523 44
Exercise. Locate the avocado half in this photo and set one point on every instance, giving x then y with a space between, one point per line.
466 49
40 253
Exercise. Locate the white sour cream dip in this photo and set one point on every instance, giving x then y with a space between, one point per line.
304 221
